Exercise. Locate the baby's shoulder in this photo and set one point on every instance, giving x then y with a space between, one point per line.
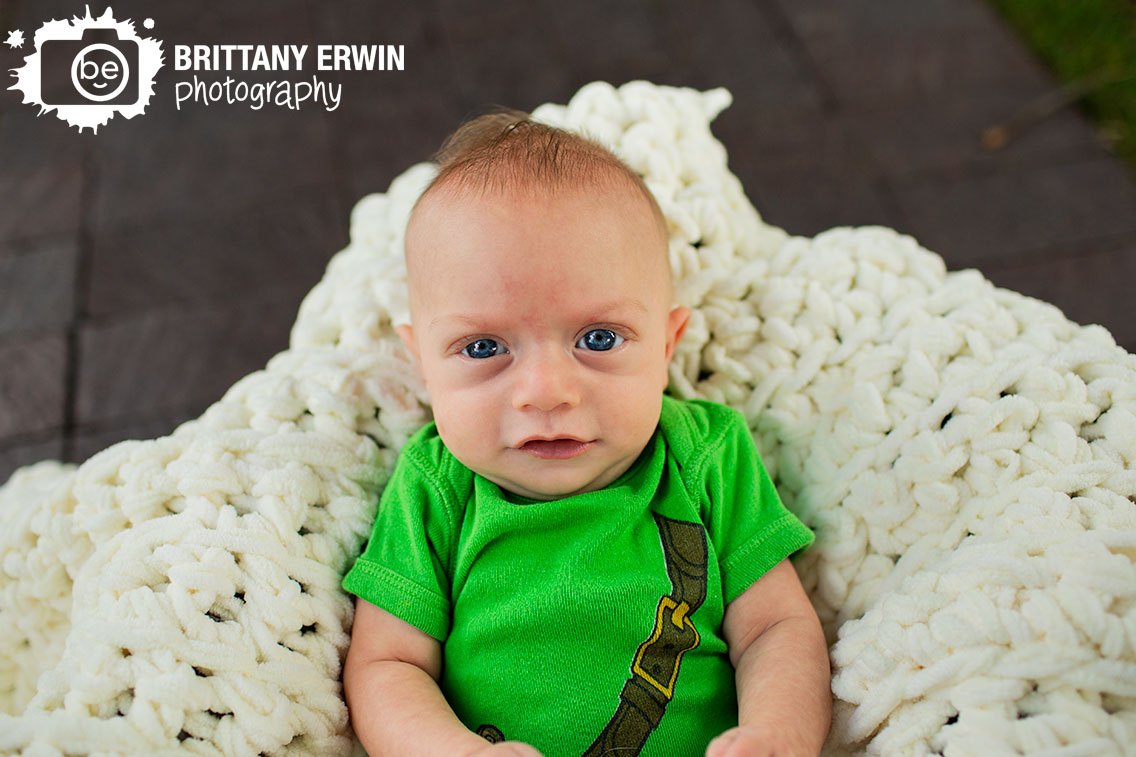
425 457
698 427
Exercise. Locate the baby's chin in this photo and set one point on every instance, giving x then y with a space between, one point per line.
554 485
543 491
551 486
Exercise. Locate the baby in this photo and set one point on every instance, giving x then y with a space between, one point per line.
566 559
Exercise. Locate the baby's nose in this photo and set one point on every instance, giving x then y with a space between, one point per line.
545 381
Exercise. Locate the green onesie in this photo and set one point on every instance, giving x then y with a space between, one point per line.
594 622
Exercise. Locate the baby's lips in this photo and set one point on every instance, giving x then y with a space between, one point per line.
555 449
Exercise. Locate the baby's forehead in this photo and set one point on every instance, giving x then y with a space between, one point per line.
445 220
608 185
448 219
619 202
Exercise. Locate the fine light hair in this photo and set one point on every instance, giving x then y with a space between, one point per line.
506 151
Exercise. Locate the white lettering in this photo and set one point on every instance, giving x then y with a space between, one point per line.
364 57
88 69
261 60
284 94
361 57
335 93
397 56
240 57
188 91
244 56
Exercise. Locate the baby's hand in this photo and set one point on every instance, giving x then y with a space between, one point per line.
751 741
506 749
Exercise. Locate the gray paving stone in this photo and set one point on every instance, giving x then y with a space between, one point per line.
27 452
40 174
258 21
506 53
37 284
357 21
155 361
873 19
89 440
31 15
1094 286
941 131
733 44
1003 217
223 257
384 139
390 119
802 168
615 42
808 203
763 140
429 63
206 160
868 49
32 384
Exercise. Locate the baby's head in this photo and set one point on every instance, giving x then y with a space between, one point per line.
540 303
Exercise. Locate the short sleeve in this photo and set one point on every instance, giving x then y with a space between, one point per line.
750 528
403 568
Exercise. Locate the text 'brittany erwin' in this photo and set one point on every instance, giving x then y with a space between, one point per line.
288 57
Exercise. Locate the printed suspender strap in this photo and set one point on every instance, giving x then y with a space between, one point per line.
654 670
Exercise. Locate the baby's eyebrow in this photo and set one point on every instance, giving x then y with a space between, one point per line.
615 307
602 312
467 320
630 303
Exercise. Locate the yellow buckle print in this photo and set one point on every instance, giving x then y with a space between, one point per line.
685 633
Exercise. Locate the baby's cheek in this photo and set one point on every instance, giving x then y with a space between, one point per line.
440 424
452 426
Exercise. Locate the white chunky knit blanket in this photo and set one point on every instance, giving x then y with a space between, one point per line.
965 454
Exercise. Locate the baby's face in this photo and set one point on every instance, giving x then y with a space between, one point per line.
543 328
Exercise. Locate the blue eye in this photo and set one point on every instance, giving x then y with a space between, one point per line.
600 340
480 349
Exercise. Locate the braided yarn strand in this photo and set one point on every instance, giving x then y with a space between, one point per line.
965 454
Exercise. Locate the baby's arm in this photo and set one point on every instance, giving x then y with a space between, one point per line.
781 658
390 679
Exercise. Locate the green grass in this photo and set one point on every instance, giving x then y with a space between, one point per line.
1082 39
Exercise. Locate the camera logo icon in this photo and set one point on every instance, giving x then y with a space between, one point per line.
89 70
102 68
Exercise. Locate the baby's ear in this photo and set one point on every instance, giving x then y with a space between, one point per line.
676 326
406 334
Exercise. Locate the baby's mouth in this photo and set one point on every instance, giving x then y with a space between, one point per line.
555 449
